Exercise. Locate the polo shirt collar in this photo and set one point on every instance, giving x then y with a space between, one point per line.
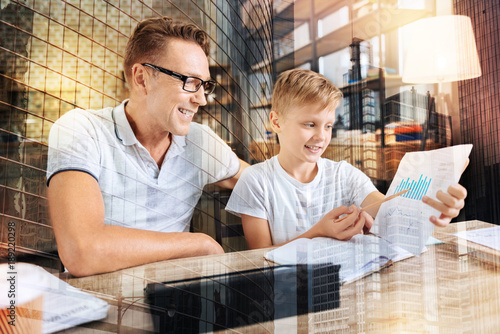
179 140
124 133
123 130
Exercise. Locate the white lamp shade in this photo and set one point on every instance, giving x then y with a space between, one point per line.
441 49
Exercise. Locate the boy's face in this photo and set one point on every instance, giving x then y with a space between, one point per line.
304 132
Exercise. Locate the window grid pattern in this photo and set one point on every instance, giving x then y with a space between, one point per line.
57 55
480 113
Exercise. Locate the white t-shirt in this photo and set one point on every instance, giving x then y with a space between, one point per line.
136 192
266 191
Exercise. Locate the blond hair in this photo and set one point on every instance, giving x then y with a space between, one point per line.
150 37
298 87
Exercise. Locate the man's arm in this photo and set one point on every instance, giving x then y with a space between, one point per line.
87 246
230 183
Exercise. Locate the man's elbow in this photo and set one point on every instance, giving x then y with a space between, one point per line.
208 246
79 260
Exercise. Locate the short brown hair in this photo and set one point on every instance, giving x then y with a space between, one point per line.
298 87
150 36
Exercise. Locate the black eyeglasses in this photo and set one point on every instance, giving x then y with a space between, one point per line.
191 84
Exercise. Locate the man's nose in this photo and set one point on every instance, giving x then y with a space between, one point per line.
199 97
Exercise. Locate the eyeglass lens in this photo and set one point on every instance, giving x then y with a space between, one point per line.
193 84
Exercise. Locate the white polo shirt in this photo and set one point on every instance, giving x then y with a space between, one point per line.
265 190
136 192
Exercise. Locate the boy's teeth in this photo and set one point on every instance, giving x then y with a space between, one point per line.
186 112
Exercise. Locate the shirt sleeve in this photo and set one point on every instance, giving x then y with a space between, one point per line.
217 159
73 146
249 195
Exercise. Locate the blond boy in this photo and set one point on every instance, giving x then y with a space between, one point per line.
298 194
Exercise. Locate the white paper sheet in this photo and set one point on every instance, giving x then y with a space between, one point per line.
489 237
404 221
357 257
64 306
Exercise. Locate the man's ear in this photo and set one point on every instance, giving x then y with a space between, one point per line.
274 120
139 77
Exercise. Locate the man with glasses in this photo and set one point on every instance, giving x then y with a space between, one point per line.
123 182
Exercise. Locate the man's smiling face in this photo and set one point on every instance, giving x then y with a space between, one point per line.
171 109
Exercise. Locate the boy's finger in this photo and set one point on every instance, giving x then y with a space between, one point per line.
448 200
356 228
441 207
457 191
368 222
335 213
442 221
348 219
433 203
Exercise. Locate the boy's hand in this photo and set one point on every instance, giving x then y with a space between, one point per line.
368 222
345 229
449 204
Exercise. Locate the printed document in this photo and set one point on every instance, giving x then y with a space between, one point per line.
404 221
358 257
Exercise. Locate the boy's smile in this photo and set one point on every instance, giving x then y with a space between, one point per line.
304 135
314 149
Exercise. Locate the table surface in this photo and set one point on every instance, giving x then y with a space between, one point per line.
453 287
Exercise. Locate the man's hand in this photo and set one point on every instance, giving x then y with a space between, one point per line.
449 204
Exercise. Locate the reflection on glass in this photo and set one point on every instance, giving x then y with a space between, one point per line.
258 297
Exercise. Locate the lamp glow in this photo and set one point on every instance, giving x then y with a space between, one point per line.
442 49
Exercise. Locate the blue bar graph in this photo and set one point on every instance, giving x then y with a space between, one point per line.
418 188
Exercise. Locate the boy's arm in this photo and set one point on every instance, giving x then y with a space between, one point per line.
258 235
372 198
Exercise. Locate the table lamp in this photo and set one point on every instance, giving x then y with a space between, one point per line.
441 49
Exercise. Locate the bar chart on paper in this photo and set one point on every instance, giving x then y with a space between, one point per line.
418 188
404 221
